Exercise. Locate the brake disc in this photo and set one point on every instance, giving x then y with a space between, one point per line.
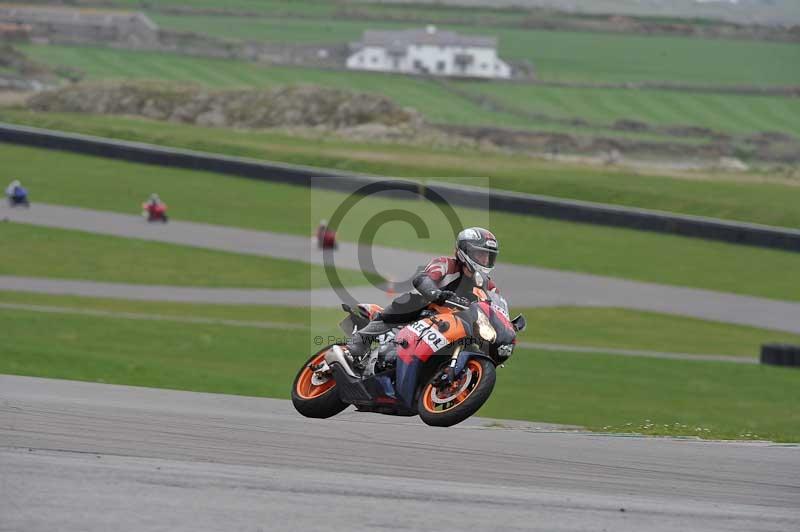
452 395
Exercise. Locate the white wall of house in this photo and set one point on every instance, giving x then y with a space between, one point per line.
436 60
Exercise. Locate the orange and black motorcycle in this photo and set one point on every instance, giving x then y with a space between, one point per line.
440 367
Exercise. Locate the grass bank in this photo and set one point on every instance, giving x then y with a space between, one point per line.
64 254
607 393
593 327
78 180
766 199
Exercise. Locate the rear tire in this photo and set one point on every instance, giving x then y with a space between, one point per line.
466 404
315 401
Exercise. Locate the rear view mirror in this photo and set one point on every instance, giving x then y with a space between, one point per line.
519 323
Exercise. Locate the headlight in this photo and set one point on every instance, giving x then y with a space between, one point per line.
485 329
505 351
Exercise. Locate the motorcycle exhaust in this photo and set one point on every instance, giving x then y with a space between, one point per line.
336 354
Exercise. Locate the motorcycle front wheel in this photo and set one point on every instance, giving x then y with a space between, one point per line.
315 397
448 406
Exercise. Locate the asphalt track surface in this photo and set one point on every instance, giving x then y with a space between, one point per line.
532 287
83 457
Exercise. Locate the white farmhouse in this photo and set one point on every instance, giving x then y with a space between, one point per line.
428 51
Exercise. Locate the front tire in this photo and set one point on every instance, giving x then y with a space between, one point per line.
316 400
445 408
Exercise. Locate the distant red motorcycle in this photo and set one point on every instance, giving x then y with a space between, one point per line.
155 212
326 238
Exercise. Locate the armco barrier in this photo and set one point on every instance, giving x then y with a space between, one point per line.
628 217
527 204
140 152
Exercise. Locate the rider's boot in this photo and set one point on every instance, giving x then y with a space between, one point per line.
361 341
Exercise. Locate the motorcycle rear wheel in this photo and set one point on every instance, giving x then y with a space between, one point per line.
466 396
316 400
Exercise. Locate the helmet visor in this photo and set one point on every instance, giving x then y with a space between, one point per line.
483 256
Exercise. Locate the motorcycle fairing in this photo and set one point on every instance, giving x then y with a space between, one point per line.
498 317
365 393
417 343
369 310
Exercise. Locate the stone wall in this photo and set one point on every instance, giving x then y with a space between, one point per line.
320 55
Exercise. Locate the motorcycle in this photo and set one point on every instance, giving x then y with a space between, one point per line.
326 239
440 366
155 212
19 198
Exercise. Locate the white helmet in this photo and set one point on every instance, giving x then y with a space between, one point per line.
477 249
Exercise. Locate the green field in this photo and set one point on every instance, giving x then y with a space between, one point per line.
669 397
601 392
558 55
734 114
62 254
677 11
84 181
267 7
101 63
434 102
770 200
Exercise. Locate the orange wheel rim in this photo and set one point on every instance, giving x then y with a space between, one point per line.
473 367
306 388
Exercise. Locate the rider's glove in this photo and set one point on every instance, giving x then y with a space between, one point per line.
440 296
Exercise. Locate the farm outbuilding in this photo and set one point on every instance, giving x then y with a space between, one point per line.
428 51
82 26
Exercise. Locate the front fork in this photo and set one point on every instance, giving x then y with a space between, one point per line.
454 368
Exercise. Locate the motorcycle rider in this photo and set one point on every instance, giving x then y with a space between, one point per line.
154 208
326 238
15 192
444 278
10 188
153 201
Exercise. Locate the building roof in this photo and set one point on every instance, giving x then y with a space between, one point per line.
59 14
403 38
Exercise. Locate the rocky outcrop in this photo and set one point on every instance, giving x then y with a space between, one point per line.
291 106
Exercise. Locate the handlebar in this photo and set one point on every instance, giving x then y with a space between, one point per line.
462 304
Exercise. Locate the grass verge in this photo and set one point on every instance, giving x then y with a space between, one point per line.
607 393
767 199
662 397
593 327
84 181
64 254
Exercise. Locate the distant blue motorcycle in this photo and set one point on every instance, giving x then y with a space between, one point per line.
18 197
